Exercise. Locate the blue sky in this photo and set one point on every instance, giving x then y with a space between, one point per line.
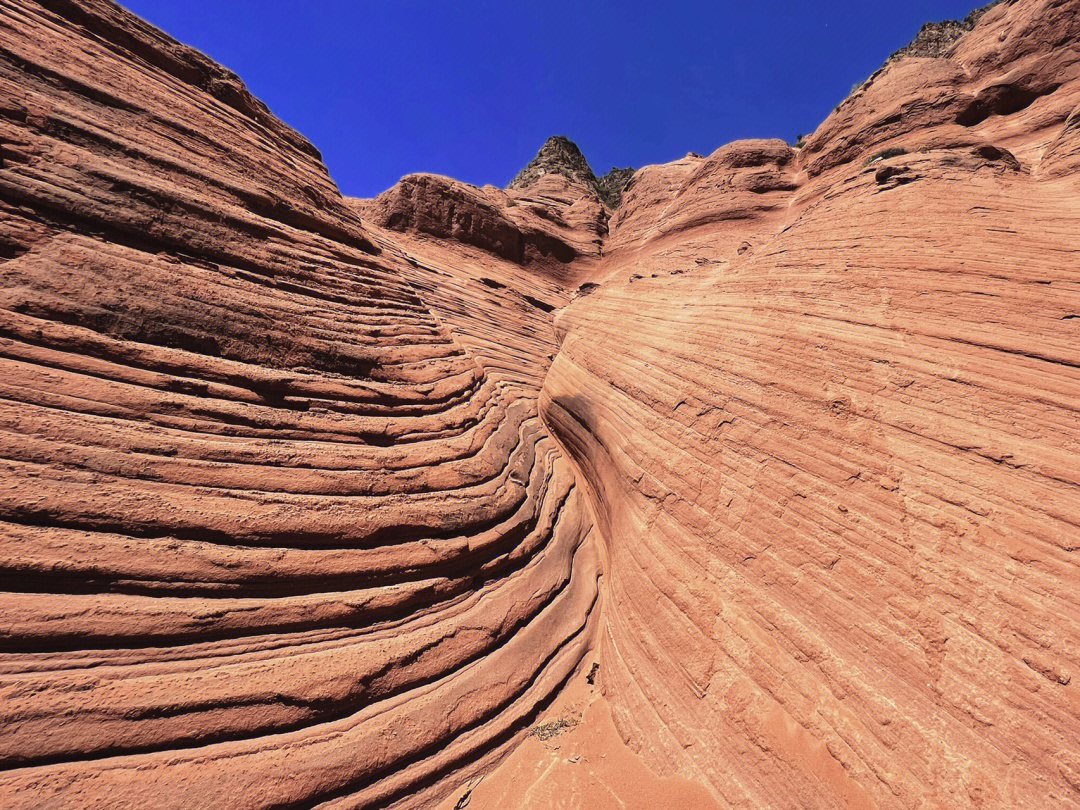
472 89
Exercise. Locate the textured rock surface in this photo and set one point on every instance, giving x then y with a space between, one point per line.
561 157
937 38
610 186
827 409
558 155
551 222
315 502
273 536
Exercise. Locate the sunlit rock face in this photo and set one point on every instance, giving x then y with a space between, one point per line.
273 535
317 502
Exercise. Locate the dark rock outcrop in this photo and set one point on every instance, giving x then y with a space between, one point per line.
561 156
558 155
935 39
610 186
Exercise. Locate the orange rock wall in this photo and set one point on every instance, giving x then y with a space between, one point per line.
828 412
272 536
316 502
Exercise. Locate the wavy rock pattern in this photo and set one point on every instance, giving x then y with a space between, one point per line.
305 500
272 536
827 405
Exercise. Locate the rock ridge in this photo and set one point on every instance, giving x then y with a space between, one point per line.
935 39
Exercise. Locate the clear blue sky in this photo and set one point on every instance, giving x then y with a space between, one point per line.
472 89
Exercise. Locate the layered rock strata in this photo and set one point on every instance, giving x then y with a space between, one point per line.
827 405
272 535
318 502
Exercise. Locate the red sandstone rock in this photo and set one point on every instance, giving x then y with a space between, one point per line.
553 222
271 535
314 502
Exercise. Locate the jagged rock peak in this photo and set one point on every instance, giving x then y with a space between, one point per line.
560 155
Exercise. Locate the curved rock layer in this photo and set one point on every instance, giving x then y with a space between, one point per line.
272 536
827 405
305 501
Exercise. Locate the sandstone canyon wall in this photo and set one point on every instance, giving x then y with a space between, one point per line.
318 502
